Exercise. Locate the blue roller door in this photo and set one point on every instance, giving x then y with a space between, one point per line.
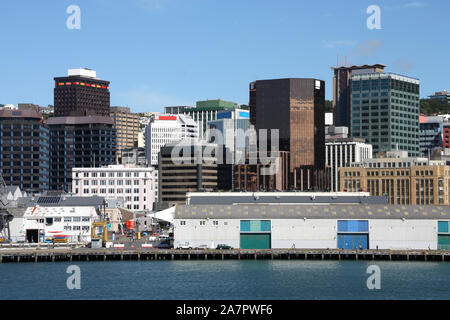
353 241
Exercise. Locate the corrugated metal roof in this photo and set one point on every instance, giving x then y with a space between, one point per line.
299 211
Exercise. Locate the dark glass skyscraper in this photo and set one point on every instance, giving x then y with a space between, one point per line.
80 94
24 150
296 107
79 142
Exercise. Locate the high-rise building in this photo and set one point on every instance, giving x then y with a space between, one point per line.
431 133
135 156
204 112
385 111
88 141
81 93
127 127
341 152
295 107
165 129
194 167
24 149
404 180
342 91
232 127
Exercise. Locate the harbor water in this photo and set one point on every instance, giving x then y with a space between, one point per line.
229 279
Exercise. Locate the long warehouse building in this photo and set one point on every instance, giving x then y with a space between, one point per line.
353 226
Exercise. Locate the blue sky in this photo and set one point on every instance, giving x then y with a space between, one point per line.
175 52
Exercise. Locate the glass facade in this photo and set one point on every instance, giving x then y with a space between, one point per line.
24 153
385 111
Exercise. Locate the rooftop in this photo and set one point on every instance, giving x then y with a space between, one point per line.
228 198
72 120
355 211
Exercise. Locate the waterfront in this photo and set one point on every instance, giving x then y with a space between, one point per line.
229 279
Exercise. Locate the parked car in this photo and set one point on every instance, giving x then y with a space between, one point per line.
224 247
184 246
164 245
202 246
152 238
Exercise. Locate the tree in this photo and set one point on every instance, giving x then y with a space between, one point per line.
434 106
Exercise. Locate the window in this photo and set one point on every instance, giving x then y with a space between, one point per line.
85 219
76 219
182 223
67 219
202 223
215 223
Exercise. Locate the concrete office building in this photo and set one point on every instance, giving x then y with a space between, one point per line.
166 129
134 156
310 226
295 107
431 134
341 152
127 127
193 167
134 184
385 111
24 149
405 180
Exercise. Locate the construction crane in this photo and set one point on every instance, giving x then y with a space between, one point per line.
5 216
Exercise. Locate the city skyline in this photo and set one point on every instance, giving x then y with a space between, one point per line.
158 53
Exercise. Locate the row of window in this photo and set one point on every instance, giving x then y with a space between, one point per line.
110 174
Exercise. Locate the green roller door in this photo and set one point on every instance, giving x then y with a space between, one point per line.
255 241
443 242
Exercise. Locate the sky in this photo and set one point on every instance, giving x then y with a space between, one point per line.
159 53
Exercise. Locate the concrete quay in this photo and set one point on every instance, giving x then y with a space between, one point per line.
13 255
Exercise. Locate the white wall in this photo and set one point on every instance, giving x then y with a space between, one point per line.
309 233
209 234
399 234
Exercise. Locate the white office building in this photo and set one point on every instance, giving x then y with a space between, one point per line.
342 152
134 184
166 129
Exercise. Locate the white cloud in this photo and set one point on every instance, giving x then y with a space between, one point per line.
338 43
368 48
414 4
404 65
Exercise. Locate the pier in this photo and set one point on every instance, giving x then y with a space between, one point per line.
14 255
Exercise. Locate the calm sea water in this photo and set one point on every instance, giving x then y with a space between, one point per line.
231 279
